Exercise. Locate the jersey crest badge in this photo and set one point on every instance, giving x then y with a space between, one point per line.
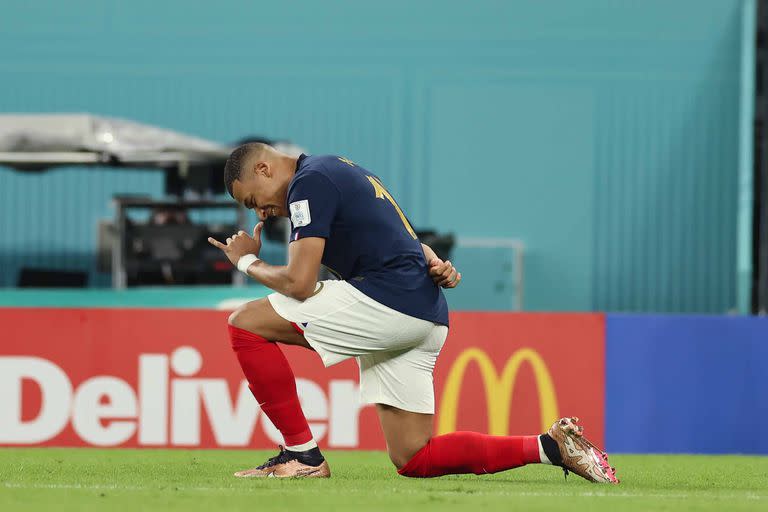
300 215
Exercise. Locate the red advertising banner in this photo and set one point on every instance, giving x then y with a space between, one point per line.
168 378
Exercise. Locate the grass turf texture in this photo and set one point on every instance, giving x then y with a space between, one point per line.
81 479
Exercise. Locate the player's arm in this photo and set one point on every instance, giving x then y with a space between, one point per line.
312 203
298 279
443 273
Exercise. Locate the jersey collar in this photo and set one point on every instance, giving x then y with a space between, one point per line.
299 161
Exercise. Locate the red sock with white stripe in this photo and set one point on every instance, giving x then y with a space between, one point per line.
273 384
470 452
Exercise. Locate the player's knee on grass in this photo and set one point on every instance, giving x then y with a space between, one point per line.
401 455
406 432
399 460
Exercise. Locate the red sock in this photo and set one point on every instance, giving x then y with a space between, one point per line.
470 452
272 383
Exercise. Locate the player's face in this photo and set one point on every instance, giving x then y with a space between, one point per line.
260 191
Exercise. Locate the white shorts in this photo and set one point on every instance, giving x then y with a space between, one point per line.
396 352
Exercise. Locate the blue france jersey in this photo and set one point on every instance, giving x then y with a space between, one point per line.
368 240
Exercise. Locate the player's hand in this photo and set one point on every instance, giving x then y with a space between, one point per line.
443 273
240 244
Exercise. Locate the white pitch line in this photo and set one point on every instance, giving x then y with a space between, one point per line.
537 494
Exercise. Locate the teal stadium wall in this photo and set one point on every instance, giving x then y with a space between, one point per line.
602 133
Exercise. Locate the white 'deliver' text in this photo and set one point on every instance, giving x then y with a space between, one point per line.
165 409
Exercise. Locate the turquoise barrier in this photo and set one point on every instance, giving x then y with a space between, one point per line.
603 134
204 297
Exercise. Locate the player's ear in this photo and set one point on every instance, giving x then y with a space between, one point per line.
263 168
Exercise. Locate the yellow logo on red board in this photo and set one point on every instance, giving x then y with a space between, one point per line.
498 389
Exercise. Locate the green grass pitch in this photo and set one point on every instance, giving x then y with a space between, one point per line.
58 479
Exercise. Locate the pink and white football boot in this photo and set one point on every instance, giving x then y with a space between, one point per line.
578 455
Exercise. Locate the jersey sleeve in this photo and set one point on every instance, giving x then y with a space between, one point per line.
312 203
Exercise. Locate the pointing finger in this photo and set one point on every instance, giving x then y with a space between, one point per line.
216 243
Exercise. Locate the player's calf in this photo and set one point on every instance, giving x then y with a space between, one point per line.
273 385
471 452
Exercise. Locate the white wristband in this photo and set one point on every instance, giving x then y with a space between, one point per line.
246 261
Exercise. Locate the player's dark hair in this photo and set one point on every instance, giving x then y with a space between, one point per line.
237 158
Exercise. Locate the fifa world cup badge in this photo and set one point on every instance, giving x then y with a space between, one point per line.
300 215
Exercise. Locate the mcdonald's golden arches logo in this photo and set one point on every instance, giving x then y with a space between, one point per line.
498 389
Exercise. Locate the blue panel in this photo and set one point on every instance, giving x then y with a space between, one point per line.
686 384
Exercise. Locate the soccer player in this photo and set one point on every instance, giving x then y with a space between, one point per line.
386 310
